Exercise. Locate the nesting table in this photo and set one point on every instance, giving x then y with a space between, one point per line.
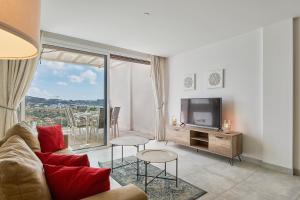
157 156
134 141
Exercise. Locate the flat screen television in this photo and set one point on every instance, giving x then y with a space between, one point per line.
202 112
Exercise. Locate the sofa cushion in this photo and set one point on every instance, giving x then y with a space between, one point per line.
128 192
65 160
22 176
74 183
51 138
23 130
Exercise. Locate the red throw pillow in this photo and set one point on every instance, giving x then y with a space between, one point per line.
51 138
65 160
74 183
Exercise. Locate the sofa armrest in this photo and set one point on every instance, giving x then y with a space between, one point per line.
128 192
66 140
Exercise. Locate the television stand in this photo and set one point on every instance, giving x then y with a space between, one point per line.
227 144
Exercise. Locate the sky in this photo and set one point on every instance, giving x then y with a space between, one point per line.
67 81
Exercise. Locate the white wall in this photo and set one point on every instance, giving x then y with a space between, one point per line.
297 95
240 57
141 107
120 92
143 101
278 94
258 92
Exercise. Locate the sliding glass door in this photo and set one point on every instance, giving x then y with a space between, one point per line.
70 89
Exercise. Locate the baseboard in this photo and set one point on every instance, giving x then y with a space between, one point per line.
271 166
278 168
251 160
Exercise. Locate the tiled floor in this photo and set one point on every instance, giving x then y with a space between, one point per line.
137 133
214 174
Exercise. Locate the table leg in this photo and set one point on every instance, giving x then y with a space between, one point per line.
144 146
137 165
122 155
177 172
165 169
112 158
239 158
146 174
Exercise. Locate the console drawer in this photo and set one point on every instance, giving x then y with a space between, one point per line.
220 144
178 135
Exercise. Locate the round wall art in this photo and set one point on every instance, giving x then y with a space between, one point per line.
215 78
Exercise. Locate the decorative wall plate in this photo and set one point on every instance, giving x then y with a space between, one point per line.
189 82
215 78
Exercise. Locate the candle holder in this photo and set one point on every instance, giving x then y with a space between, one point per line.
226 125
174 121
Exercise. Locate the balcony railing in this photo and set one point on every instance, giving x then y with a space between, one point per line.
84 124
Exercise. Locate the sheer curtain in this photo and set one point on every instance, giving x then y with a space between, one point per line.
158 65
15 80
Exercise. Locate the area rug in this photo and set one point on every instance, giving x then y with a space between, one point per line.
159 189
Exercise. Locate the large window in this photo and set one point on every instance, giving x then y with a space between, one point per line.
68 92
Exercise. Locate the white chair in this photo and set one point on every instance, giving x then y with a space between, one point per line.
97 123
76 122
114 125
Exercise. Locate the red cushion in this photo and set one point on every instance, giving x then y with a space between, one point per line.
72 183
51 138
65 160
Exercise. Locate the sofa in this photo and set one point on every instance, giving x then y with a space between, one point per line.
22 176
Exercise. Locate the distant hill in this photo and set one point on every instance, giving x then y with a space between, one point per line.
29 100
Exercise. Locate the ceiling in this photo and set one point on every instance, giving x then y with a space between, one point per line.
173 26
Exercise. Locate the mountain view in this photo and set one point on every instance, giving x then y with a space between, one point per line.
43 102
57 86
42 111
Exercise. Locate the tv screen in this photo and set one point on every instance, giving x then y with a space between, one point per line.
202 112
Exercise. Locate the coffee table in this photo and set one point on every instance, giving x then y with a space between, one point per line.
157 156
134 141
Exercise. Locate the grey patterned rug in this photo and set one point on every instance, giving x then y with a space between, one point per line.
159 189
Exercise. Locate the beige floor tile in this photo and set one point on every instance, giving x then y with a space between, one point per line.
212 183
243 181
245 192
271 182
208 196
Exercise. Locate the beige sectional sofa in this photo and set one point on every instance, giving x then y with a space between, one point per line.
22 176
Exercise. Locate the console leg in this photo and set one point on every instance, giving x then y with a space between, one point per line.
239 158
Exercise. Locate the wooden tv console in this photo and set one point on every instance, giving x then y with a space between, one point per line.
228 144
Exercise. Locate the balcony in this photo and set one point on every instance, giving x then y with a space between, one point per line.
73 81
84 124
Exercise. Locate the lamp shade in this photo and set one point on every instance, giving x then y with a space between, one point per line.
19 28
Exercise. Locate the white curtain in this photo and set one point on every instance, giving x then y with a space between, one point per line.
15 80
158 83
